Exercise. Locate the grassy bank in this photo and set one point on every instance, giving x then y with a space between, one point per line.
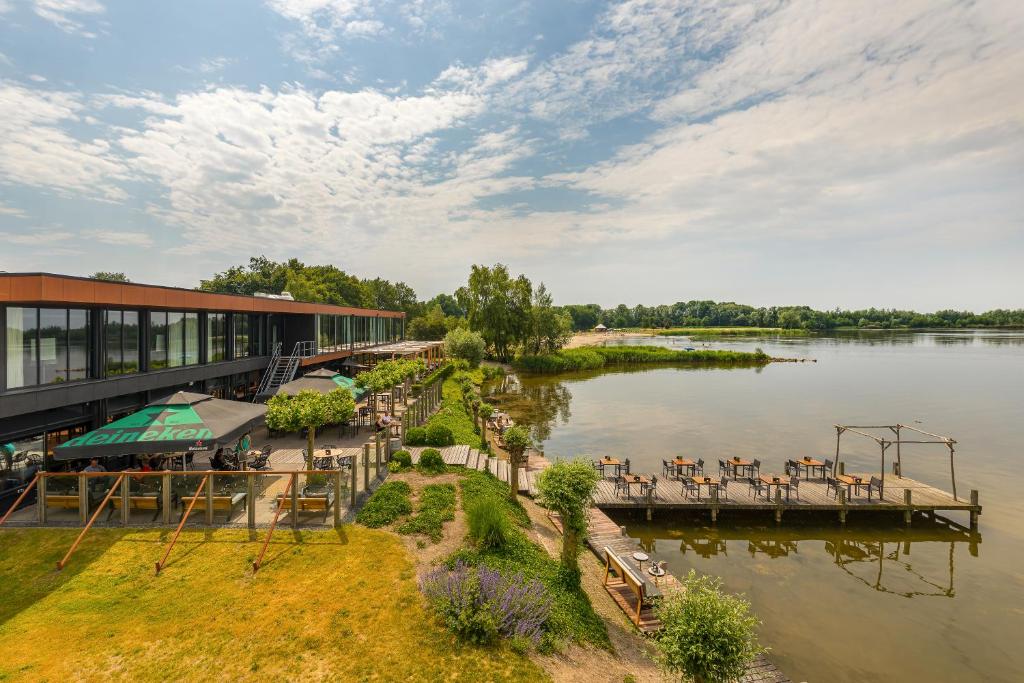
595 357
730 332
339 605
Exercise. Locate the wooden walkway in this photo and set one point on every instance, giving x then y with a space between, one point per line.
603 532
900 495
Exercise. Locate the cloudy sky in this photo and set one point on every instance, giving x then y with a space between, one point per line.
825 153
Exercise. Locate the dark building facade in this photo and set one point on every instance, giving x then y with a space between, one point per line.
77 353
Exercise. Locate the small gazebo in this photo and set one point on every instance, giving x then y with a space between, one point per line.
600 328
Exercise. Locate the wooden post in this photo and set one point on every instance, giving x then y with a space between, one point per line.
778 505
83 498
975 512
952 472
376 451
295 499
907 501
839 434
184 518
250 498
899 461
273 525
20 498
366 467
208 516
337 498
125 510
842 502
842 468
714 504
352 489
165 494
74 546
41 500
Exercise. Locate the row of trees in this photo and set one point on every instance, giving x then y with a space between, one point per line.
711 313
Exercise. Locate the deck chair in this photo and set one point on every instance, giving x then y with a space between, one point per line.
875 485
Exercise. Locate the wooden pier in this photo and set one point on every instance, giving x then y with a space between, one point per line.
900 495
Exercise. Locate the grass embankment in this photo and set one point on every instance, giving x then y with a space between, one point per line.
572 617
596 357
452 413
731 332
340 605
435 507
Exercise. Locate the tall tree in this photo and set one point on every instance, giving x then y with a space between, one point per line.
568 488
549 328
498 307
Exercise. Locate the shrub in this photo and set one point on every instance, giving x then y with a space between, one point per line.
439 435
707 635
493 371
402 457
416 436
480 604
431 461
465 345
488 525
389 502
395 466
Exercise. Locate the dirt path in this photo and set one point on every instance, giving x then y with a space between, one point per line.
425 552
633 653
592 338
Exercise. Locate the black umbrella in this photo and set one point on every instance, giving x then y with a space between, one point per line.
182 422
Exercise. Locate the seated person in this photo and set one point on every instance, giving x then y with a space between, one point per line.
217 462
384 421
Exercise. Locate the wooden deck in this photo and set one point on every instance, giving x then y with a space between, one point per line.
900 495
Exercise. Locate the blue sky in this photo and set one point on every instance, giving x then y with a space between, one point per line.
820 153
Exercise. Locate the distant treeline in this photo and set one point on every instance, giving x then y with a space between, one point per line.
595 357
713 314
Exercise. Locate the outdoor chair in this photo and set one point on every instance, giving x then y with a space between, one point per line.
667 467
756 486
875 485
792 469
722 469
689 485
626 466
723 488
598 467
620 485
262 461
651 490
829 468
700 466
756 467
323 463
345 462
831 483
794 485
328 447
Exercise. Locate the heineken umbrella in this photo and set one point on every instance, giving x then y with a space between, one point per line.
182 422
324 381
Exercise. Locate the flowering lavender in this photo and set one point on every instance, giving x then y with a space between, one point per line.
482 604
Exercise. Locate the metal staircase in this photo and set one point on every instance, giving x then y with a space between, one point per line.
281 370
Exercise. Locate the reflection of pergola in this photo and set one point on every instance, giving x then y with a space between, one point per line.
885 443
427 350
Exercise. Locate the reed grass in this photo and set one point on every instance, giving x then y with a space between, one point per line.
731 332
596 357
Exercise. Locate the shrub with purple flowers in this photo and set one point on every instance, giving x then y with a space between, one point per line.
481 605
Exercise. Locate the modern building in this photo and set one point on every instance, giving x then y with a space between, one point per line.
77 353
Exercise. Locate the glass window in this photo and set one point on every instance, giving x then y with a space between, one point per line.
157 340
175 339
215 337
113 332
78 344
241 335
130 359
191 338
22 347
53 345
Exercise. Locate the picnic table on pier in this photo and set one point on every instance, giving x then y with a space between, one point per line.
808 465
637 479
687 464
852 481
736 464
711 482
770 480
611 462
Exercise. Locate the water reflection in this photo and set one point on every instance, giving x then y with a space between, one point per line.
877 557
538 404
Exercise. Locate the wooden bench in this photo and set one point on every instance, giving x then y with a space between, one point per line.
307 504
627 580
62 501
225 504
137 502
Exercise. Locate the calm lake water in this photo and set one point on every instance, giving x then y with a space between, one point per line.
873 601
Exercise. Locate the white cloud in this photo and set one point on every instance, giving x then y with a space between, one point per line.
36 236
11 211
66 14
36 150
119 238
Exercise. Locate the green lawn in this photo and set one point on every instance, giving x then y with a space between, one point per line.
339 604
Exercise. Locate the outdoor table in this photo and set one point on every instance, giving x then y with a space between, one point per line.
736 464
641 558
635 479
611 462
808 465
710 482
778 482
689 465
852 481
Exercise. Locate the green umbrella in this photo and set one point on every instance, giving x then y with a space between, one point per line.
324 381
182 422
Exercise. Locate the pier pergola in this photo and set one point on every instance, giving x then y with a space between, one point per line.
884 443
